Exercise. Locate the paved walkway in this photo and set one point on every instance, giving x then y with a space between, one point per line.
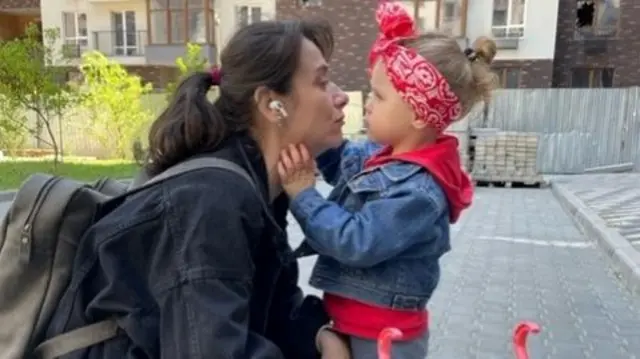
614 197
516 255
4 206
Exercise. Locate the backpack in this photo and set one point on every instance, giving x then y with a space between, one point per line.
39 237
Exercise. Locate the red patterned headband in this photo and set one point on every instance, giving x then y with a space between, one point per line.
418 81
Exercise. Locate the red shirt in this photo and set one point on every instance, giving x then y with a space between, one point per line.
367 321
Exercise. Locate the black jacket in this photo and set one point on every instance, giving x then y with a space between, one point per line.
194 269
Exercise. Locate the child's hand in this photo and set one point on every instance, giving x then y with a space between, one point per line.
297 169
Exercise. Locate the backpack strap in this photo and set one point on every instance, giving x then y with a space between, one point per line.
195 164
77 339
99 332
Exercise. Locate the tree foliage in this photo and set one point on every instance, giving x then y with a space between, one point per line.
192 61
114 100
30 81
12 134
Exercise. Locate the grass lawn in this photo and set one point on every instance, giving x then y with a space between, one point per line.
14 172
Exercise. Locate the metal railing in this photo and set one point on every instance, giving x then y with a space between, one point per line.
120 43
596 32
507 31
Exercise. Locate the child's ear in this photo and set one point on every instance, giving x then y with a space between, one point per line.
418 124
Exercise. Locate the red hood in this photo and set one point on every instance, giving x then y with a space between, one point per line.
443 162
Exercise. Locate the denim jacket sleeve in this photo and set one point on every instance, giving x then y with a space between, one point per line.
203 275
350 155
361 239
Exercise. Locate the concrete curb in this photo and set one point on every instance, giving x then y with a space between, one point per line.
6 196
626 259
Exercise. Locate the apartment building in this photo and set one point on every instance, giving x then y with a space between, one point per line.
16 15
597 44
542 43
521 29
148 35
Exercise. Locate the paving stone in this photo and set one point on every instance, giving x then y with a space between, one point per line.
489 285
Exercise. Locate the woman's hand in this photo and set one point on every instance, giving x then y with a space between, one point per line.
297 169
332 345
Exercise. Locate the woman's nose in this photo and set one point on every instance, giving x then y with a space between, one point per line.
340 98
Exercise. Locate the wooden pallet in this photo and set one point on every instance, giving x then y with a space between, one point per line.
510 184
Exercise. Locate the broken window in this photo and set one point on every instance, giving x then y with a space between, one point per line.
597 17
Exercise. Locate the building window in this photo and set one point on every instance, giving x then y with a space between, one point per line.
452 17
508 18
597 17
246 15
426 19
181 21
592 77
509 77
124 36
75 34
310 2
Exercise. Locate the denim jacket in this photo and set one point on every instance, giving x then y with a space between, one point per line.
381 232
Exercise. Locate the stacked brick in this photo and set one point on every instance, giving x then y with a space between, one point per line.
506 157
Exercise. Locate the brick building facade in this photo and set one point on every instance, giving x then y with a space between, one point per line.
355 31
608 59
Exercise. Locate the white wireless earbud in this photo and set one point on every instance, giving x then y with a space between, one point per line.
279 107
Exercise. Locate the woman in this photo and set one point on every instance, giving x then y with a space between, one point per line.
193 267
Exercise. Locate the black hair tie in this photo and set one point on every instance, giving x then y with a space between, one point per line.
471 54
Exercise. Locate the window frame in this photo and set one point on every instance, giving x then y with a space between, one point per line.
509 27
593 73
185 10
503 77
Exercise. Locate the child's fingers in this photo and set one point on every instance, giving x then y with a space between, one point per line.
295 154
282 171
304 153
286 160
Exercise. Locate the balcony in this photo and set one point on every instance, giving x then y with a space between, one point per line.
19 5
73 50
120 43
507 37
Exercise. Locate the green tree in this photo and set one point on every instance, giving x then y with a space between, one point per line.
192 61
114 101
12 133
30 77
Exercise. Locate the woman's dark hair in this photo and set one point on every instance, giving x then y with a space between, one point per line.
261 54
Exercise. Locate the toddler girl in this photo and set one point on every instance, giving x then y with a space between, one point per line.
385 225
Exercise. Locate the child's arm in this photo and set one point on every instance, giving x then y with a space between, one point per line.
381 230
350 154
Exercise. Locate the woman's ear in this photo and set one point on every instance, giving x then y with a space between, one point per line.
262 98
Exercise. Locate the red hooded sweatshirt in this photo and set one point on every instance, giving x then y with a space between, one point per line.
442 161
363 320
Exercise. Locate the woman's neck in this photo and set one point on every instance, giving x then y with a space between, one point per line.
269 145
